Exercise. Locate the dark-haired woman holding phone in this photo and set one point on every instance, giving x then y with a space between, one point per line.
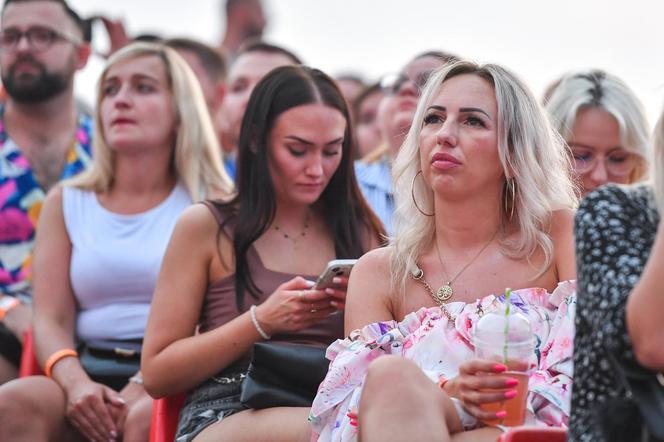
241 271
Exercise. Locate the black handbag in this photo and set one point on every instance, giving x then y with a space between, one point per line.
111 363
647 389
283 375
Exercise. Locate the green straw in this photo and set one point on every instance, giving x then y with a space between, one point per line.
508 292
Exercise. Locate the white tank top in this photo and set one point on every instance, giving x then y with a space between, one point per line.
115 261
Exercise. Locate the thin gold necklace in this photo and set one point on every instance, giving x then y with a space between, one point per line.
446 291
295 238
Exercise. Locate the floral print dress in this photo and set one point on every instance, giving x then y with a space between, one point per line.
438 347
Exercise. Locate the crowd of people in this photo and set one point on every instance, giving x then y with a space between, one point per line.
150 244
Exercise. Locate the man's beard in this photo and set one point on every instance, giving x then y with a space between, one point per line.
33 88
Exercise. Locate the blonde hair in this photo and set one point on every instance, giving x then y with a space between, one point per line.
596 88
197 156
530 152
657 164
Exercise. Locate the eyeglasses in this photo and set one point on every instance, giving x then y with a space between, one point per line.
39 38
393 83
617 163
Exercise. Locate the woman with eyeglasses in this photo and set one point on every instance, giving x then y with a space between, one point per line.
395 114
605 127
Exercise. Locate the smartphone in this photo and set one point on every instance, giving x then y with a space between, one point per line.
336 267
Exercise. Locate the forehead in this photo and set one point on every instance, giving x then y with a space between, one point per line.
467 90
143 65
420 65
257 64
597 126
311 121
36 13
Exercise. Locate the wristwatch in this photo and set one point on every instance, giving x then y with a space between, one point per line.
7 303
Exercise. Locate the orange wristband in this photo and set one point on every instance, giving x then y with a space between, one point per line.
7 303
57 357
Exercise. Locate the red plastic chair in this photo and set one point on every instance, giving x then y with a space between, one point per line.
29 365
534 434
164 419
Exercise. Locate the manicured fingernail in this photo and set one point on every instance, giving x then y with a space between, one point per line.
501 414
499 368
114 434
329 291
336 280
511 382
509 394
334 304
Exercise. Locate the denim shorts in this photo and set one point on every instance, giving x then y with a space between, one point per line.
212 401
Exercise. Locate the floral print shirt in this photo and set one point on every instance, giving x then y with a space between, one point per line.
438 347
21 199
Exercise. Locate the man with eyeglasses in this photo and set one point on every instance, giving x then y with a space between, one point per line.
395 115
42 141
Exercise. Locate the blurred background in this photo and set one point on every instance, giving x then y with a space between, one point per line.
538 40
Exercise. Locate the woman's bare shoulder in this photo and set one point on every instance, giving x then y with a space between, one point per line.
197 224
368 297
375 263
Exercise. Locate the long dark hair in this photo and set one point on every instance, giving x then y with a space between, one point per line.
347 214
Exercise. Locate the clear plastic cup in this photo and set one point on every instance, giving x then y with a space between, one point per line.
506 337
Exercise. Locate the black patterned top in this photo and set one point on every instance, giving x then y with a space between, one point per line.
615 229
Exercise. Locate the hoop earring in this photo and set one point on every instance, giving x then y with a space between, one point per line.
412 195
510 185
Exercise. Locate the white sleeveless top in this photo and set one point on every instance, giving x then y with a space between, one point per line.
115 261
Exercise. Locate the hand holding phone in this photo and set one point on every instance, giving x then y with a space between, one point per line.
334 269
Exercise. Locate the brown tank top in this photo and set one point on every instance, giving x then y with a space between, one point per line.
220 307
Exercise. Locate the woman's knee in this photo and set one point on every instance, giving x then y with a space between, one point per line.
21 398
393 376
32 404
137 424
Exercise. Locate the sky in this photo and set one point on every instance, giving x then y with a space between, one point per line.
539 40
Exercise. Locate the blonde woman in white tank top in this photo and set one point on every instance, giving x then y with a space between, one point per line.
102 240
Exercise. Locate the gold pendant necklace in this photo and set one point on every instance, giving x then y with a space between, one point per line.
419 276
446 291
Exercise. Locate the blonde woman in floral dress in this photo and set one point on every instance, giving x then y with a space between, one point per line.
484 202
